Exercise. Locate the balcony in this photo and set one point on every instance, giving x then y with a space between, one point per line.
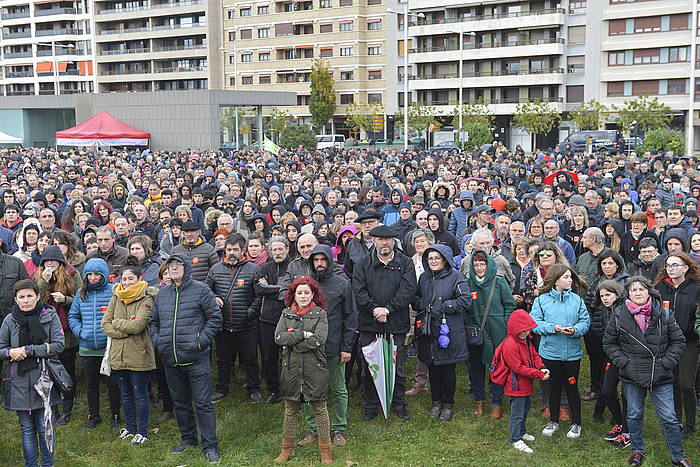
123 72
17 35
488 79
124 31
20 93
490 45
479 74
171 48
150 7
17 15
46 92
59 51
57 32
180 69
19 74
18 54
451 51
56 11
125 51
177 26
554 17
465 19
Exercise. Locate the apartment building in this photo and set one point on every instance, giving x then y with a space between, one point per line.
157 45
46 47
272 45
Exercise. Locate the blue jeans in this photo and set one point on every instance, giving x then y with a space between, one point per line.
662 396
133 387
519 408
32 425
477 374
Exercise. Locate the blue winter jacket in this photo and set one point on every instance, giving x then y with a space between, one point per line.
85 316
460 216
390 212
566 309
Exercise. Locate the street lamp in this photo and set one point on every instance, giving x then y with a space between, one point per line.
405 67
235 83
55 61
461 75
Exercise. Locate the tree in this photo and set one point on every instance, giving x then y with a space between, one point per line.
536 118
322 100
294 136
420 117
589 115
649 112
279 120
362 116
477 121
663 139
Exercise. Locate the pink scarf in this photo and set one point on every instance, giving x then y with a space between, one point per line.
261 259
641 313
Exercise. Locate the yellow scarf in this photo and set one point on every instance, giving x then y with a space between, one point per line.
131 293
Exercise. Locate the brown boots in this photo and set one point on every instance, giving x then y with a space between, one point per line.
287 450
496 412
324 445
480 408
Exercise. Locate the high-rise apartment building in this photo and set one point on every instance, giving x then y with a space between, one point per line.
272 45
46 47
157 45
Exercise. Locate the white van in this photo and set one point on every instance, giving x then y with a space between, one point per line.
329 141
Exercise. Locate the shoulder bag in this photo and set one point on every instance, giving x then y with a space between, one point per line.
475 334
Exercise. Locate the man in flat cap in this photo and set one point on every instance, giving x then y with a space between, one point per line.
384 282
202 255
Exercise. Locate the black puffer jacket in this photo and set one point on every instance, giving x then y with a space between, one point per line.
683 301
442 236
271 306
342 311
11 271
234 284
184 320
648 358
299 268
378 285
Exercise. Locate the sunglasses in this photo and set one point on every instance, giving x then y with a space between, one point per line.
545 254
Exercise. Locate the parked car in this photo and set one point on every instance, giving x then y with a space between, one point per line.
450 146
330 141
603 140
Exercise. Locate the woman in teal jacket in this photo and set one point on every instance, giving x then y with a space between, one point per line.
84 319
562 319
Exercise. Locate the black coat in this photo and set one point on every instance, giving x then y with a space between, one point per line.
184 320
442 236
644 359
271 306
378 285
12 270
629 247
234 284
342 311
683 302
442 295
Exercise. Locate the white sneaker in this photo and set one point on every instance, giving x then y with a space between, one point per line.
139 439
527 437
124 434
574 432
522 447
550 428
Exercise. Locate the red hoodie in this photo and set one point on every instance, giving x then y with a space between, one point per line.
519 356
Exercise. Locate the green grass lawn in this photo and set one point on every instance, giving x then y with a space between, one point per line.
250 434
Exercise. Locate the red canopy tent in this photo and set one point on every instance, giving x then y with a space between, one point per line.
102 130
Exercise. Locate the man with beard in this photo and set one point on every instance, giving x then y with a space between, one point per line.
202 255
384 283
342 324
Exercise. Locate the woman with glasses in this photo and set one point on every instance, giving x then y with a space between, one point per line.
562 319
548 255
678 284
645 343
442 299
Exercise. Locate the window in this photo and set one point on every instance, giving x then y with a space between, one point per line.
346 26
288 7
617 26
245 11
645 87
577 34
374 98
616 58
231 36
246 80
678 54
346 99
345 51
284 29
574 94
346 75
264 56
326 27
644 56
677 86
246 34
232 81
265 79
374 25
345 2
232 59
679 21
576 63
616 88
649 24
263 10
374 2
231 14
374 50
303 99
290 54
247 57
325 4
374 74
263 33
326 51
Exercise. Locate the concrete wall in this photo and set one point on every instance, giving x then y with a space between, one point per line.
36 127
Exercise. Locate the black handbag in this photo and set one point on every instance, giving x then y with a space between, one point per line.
475 334
422 325
59 374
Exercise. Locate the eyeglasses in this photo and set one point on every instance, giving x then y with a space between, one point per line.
545 254
434 260
674 266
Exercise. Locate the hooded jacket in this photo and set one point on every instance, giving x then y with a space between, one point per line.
11 271
645 358
184 320
566 309
342 311
460 216
234 284
519 356
442 295
390 212
683 302
202 256
442 236
86 315
678 234
271 306
502 305
629 245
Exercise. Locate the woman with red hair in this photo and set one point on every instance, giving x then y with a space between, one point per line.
302 331
102 211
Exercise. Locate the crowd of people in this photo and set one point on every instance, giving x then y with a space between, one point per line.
152 267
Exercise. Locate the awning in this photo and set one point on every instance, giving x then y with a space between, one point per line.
44 67
304 47
326 48
374 20
62 66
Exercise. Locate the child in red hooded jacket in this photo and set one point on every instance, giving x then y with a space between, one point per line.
516 364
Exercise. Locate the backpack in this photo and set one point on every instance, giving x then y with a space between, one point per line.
498 371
